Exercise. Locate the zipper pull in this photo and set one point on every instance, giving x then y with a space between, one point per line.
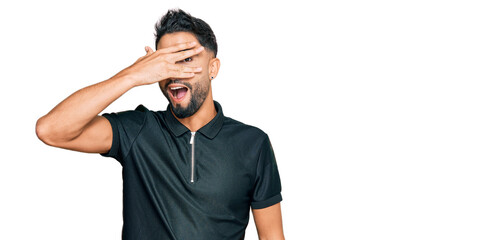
192 137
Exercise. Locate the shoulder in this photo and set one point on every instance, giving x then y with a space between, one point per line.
243 131
142 112
134 117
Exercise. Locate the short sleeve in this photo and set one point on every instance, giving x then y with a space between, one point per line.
267 188
126 126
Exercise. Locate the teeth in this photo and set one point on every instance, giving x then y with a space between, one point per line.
175 88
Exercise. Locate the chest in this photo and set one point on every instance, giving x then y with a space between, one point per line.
219 169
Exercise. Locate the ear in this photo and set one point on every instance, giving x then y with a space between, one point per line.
213 67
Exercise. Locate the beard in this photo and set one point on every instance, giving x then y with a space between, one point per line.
198 93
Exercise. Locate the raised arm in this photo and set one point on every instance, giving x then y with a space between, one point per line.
269 222
75 124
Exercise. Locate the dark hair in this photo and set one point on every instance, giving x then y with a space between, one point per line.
176 20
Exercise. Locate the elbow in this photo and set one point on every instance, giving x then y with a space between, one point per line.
45 132
42 131
50 134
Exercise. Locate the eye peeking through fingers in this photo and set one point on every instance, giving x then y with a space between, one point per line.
189 59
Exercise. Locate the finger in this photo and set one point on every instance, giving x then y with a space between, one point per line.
181 68
183 75
179 47
185 54
190 69
148 50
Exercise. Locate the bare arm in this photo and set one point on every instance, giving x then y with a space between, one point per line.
269 222
74 123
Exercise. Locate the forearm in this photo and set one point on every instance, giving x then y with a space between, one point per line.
67 120
269 222
272 234
278 237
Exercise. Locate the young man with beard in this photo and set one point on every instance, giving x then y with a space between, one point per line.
189 172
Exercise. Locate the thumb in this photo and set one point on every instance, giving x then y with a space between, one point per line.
148 50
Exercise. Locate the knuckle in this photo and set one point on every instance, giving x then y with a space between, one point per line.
166 60
170 67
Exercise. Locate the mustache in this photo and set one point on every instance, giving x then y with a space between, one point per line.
188 85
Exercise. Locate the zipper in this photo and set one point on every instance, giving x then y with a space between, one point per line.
192 161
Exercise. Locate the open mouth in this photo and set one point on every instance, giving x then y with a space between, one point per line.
177 91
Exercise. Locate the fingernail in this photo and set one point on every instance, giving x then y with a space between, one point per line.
200 48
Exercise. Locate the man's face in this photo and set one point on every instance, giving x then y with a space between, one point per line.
188 94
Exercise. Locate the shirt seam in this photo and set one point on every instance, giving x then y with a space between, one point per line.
136 137
258 160
267 202
256 165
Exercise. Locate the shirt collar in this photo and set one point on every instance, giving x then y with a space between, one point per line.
210 130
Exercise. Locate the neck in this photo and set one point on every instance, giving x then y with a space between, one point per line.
202 117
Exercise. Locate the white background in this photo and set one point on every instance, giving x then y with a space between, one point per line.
385 116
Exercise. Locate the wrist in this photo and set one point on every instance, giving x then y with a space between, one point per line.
125 79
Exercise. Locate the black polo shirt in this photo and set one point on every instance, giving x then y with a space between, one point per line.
183 185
